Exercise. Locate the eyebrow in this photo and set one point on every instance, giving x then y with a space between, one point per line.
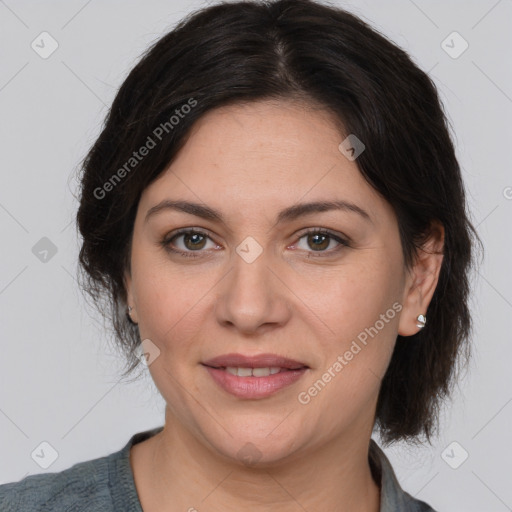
288 214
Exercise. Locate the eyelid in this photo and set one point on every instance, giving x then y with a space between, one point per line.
166 241
325 231
342 240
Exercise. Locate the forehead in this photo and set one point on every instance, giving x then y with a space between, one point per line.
266 136
264 155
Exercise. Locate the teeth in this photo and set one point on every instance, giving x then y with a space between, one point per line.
252 372
261 372
244 372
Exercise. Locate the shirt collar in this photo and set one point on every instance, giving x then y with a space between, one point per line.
392 497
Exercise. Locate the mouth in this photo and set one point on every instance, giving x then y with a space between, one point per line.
259 361
272 362
253 377
245 371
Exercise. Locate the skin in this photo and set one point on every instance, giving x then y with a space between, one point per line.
249 162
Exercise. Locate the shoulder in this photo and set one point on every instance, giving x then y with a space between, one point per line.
416 505
85 483
393 497
104 484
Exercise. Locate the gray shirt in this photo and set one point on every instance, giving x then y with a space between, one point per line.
106 484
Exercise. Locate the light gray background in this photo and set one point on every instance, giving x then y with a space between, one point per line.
58 375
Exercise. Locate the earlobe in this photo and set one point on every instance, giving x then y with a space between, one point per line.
131 313
421 282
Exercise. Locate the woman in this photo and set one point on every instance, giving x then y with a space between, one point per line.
276 216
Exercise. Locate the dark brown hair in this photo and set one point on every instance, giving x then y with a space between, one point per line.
293 49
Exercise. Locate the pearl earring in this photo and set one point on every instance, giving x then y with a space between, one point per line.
422 320
129 316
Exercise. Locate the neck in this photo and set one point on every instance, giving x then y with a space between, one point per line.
178 470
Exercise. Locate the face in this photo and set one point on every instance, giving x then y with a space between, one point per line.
326 289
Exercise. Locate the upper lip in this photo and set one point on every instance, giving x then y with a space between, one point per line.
259 361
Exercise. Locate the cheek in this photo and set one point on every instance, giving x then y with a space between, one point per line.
351 297
361 312
168 312
161 297
343 391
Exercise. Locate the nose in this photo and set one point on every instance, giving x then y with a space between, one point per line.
252 298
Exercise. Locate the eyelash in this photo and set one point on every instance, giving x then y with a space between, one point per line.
166 242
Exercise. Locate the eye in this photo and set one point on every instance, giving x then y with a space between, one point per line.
187 241
192 240
319 240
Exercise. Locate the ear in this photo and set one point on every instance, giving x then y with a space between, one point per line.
130 295
422 280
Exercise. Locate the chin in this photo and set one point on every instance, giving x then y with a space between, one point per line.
258 454
263 446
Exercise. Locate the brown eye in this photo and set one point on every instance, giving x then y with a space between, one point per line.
318 241
322 242
186 242
193 240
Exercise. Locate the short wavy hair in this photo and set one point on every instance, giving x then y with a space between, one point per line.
239 52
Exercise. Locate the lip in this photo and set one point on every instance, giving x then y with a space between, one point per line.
251 388
259 361
254 387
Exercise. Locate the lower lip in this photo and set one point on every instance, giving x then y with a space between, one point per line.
254 387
